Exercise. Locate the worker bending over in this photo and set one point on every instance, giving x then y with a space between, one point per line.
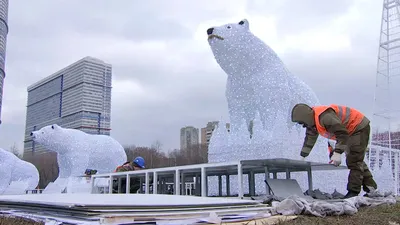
137 164
350 129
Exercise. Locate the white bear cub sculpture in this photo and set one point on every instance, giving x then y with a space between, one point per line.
78 151
13 169
257 78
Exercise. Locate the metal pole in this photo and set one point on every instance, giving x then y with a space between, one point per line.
203 182
177 182
396 173
128 184
240 180
155 182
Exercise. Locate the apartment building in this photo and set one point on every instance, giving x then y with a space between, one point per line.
78 96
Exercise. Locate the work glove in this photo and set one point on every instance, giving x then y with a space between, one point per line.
336 159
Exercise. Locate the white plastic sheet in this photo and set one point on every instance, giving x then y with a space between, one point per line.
295 205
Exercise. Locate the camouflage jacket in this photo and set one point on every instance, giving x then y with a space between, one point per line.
134 181
128 166
333 125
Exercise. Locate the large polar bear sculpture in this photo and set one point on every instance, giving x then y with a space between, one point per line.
261 93
13 169
258 81
78 151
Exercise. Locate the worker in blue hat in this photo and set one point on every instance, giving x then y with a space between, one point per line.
137 164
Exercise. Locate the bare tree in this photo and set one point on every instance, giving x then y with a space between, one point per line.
129 150
157 145
47 166
155 158
14 150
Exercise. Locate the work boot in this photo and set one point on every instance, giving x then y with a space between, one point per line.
351 194
372 192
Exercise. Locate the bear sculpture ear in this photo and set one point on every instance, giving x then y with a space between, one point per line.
244 22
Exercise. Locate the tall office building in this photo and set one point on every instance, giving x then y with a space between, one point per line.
3 43
78 96
206 132
189 137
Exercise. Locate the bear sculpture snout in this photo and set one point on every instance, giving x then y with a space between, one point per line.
210 31
31 134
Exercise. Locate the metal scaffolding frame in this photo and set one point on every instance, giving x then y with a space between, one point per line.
179 175
386 113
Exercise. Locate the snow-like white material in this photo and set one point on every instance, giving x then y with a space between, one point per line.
69 185
295 205
13 169
17 188
55 188
121 199
383 175
79 185
78 151
260 88
101 182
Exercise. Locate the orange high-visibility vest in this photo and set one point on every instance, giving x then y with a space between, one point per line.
350 118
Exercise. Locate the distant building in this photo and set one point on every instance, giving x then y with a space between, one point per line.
206 132
3 43
78 96
189 137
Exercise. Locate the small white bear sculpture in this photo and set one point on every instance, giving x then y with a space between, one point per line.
13 169
78 151
257 78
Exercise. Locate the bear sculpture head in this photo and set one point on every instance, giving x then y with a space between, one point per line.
51 137
237 50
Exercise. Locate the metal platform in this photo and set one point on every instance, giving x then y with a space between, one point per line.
180 174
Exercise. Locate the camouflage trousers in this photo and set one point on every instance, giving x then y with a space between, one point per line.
360 175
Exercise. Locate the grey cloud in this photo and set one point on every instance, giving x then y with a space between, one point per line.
131 18
10 133
154 20
296 16
190 88
191 104
338 79
191 97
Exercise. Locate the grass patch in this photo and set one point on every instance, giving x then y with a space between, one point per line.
7 220
382 215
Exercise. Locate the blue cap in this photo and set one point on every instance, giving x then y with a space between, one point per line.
139 161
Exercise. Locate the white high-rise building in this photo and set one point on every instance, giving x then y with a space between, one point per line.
189 137
78 96
3 44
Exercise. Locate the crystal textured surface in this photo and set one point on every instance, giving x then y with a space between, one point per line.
78 151
383 176
13 169
261 89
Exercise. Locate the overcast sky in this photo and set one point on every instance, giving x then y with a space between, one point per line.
164 73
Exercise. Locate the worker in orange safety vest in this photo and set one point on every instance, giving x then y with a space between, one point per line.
351 130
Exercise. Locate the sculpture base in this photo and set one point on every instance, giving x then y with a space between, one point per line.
326 181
